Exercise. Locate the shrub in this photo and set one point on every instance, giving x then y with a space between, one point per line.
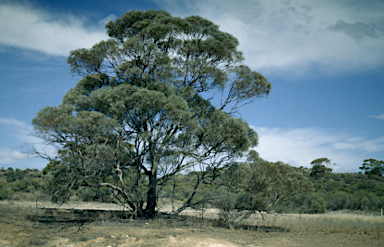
226 204
6 192
235 208
318 205
365 203
20 175
11 176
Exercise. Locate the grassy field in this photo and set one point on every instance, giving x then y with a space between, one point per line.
21 224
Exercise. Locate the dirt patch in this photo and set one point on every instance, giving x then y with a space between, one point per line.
26 226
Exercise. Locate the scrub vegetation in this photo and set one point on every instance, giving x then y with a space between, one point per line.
354 192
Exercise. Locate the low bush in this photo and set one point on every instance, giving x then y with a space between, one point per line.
6 192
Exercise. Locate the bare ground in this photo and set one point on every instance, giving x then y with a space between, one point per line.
21 224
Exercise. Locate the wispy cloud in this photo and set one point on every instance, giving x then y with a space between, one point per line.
24 26
16 129
8 156
12 122
299 147
16 139
296 35
378 117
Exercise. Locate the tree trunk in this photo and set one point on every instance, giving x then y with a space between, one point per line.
150 209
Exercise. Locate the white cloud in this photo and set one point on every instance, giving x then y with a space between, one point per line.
16 141
299 147
12 122
19 156
17 130
27 27
276 35
296 35
378 117
8 156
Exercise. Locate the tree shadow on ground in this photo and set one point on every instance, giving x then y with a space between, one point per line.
73 217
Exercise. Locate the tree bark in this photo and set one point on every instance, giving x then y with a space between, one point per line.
150 209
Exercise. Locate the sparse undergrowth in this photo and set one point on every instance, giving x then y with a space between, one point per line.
26 226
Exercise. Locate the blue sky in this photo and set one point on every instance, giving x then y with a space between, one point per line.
325 59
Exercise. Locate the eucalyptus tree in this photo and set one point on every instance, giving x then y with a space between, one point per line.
373 167
158 97
320 167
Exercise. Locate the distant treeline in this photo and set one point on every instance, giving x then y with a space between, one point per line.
334 191
331 191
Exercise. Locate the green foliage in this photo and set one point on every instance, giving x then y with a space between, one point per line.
88 194
11 176
373 167
339 200
348 191
317 205
319 168
23 184
226 204
58 180
339 191
26 185
261 185
6 192
138 115
365 203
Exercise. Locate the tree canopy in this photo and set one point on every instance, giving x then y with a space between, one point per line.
157 98
373 167
320 168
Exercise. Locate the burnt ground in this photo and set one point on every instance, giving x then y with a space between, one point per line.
27 226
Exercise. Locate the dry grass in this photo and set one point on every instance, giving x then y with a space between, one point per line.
346 223
22 225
